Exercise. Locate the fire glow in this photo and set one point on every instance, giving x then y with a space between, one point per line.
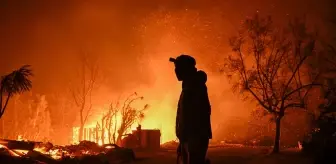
159 116
161 97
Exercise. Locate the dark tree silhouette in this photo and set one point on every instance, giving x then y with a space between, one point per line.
269 66
325 61
108 124
14 83
129 114
82 93
111 122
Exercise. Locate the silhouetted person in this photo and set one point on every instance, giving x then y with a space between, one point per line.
193 127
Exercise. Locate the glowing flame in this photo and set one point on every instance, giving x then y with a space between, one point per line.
20 138
39 149
162 99
161 116
109 147
300 145
12 152
21 151
100 142
53 153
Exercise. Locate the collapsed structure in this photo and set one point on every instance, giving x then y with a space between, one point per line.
148 139
143 138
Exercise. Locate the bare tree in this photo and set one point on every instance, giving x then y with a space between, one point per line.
106 124
129 115
16 82
325 61
111 115
100 128
114 119
269 64
82 93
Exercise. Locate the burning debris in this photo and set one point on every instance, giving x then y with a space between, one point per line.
12 151
85 151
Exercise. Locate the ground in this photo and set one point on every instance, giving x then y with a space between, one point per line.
234 155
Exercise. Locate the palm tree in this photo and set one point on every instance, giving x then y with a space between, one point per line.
14 83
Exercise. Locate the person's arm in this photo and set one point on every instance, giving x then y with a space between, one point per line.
178 122
189 112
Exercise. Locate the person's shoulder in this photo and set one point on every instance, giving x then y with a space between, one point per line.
202 76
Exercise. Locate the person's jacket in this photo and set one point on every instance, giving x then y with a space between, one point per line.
194 110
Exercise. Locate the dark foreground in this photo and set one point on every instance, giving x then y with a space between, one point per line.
218 155
228 155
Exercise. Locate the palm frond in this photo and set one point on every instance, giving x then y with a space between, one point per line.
18 81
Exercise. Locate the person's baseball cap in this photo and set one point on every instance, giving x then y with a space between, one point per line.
184 60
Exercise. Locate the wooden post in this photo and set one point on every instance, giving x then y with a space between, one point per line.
90 131
97 135
85 131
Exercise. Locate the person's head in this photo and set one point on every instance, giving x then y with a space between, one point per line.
184 66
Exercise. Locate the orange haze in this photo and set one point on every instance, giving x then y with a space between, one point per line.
132 41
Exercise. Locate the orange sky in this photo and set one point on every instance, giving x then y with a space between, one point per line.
133 42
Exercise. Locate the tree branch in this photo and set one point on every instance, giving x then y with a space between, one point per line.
295 70
293 74
298 89
75 97
259 100
260 74
87 113
277 66
294 105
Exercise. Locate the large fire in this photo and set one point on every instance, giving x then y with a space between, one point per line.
161 96
160 115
